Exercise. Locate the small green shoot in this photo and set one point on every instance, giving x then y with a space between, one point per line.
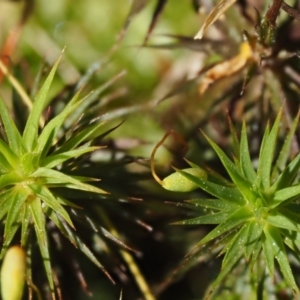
30 166
257 212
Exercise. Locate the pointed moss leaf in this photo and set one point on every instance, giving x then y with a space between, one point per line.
284 195
274 235
52 182
49 199
35 207
12 133
13 217
235 140
50 131
86 134
91 98
256 254
288 175
7 242
19 196
237 218
267 245
9 179
242 184
216 12
26 219
224 272
235 246
5 202
66 179
84 249
10 156
291 212
54 160
222 192
213 218
64 201
253 238
176 182
61 225
5 166
246 163
237 164
30 134
191 164
263 145
28 162
267 154
293 241
285 151
116 240
281 221
213 203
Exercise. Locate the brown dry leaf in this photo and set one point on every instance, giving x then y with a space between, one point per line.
227 68
218 10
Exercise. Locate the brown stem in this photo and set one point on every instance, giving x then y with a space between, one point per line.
290 10
171 132
273 12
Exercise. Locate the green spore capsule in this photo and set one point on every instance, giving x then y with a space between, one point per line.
177 182
13 274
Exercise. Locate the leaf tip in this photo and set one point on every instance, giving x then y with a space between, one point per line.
199 35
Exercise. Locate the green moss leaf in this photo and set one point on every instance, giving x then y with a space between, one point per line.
253 241
49 199
50 131
273 235
12 133
25 221
281 221
267 155
9 155
38 217
246 163
216 204
288 175
54 160
66 180
235 219
242 183
30 134
214 218
18 197
269 253
236 246
220 191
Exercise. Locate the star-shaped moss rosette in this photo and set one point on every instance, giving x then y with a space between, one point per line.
29 169
257 213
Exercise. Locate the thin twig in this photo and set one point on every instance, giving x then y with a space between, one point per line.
273 12
290 10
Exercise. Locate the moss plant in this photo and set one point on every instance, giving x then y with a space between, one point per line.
29 170
257 211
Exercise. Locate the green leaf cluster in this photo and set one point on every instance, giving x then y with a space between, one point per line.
257 213
30 166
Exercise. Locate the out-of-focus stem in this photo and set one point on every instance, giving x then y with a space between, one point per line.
133 267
